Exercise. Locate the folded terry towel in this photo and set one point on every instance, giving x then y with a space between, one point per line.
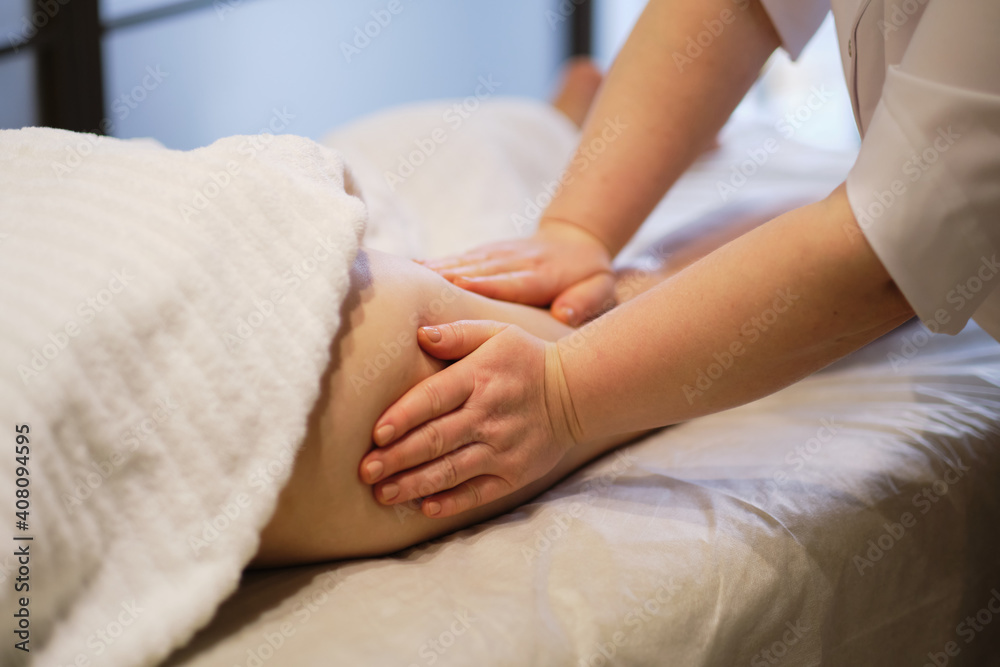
165 319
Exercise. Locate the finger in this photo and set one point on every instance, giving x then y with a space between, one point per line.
474 493
458 339
437 395
468 258
518 286
421 445
488 266
586 299
438 476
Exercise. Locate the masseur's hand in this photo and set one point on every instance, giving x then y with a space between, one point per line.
561 264
478 430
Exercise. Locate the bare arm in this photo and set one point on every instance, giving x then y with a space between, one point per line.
750 318
760 313
672 104
324 511
656 111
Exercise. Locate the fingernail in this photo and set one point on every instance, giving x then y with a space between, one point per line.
433 508
390 491
384 433
433 334
374 469
568 315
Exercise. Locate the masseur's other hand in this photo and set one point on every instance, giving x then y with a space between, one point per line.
562 265
478 430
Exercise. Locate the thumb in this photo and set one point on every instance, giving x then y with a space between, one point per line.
517 286
458 339
586 299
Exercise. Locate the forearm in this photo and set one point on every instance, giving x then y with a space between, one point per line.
671 104
757 315
681 248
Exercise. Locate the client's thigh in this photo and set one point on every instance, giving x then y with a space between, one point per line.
324 511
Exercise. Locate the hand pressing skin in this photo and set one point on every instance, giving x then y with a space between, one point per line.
477 430
562 265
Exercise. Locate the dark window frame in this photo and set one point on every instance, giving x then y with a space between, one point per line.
69 70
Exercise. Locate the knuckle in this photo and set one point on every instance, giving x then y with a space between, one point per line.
458 333
485 431
434 441
474 496
433 397
448 472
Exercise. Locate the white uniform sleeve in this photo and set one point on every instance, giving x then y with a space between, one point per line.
796 21
926 187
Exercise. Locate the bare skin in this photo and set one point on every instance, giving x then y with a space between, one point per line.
671 111
325 512
810 271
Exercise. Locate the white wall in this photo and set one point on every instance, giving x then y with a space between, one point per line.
783 88
225 69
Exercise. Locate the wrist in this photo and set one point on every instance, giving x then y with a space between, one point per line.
563 227
558 401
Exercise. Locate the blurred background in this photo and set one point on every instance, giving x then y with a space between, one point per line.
187 72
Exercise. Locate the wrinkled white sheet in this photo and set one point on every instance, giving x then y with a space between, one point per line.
815 526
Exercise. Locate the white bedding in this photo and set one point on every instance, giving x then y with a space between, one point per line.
679 552
790 531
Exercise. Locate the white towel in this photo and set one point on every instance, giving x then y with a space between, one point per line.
166 317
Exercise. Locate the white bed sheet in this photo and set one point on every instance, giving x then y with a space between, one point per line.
770 534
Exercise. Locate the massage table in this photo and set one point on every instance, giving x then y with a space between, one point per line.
850 519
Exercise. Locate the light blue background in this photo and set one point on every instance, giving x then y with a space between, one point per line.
229 66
